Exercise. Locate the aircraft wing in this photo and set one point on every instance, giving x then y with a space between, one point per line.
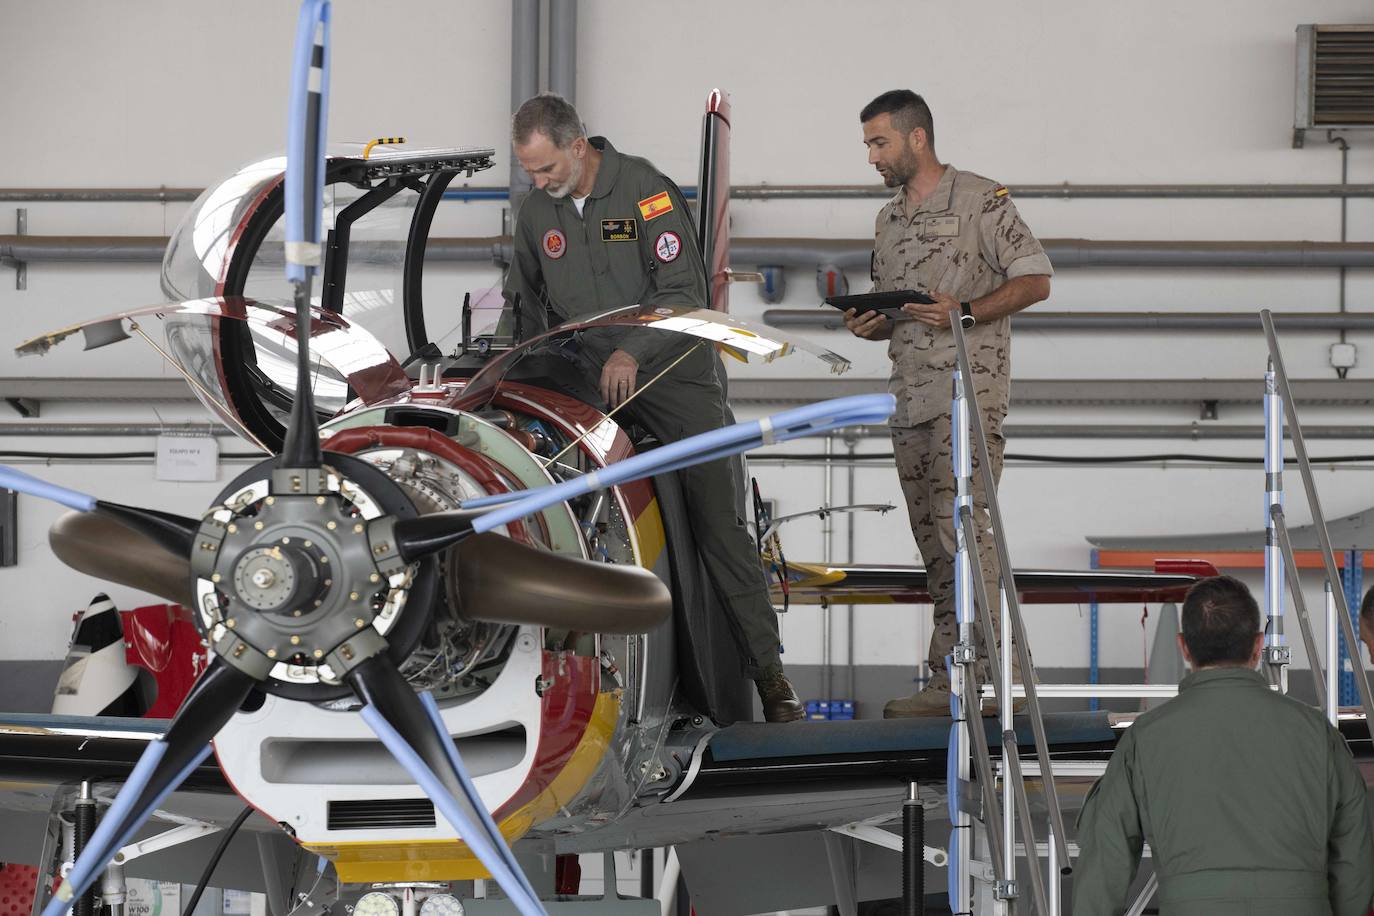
809 583
43 758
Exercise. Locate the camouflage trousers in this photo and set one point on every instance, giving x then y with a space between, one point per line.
925 467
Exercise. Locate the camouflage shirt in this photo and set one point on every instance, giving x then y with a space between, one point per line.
965 239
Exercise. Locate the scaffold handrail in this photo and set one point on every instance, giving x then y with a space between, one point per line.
1019 636
1318 518
1011 757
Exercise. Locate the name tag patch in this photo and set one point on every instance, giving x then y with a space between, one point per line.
619 230
942 225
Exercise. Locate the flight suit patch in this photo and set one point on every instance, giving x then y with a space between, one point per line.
656 206
619 230
667 247
555 244
942 226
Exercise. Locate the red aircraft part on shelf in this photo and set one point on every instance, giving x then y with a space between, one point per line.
162 640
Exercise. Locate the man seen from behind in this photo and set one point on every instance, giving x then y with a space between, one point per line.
1250 800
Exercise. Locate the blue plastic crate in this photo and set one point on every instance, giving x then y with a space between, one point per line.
829 710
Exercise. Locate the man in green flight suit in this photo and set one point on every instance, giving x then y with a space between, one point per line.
603 230
1250 800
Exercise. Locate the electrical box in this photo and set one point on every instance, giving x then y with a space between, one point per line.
1335 79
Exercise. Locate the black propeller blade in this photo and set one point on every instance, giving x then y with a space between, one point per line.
385 693
214 698
378 684
417 538
175 532
100 546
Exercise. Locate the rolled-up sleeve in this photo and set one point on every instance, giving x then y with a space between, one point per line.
1007 241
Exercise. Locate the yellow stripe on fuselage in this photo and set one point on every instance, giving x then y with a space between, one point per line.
649 533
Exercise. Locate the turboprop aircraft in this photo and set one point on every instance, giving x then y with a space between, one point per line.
455 605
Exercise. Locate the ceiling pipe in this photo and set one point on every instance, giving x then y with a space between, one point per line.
830 319
787 252
567 8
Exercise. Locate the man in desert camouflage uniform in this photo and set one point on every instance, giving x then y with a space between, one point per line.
956 237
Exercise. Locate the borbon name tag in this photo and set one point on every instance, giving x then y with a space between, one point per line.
187 458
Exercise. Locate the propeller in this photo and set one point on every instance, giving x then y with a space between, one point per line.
313 574
287 565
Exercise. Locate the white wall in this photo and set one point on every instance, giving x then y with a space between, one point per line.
179 93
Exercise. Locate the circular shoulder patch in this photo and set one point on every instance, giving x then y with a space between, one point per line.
555 243
667 247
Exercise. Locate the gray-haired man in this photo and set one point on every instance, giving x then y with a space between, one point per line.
604 230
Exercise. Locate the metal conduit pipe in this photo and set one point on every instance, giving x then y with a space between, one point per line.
1191 431
1068 191
112 430
111 248
99 195
1063 191
563 48
830 319
787 252
1068 253
524 80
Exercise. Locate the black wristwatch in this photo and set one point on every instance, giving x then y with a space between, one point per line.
966 315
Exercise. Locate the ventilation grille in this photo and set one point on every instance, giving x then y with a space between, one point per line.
1335 76
381 814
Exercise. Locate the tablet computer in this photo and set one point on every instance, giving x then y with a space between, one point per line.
889 305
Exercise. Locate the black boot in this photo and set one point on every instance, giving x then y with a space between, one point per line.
780 703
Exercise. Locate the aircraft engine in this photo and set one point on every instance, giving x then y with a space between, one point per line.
529 705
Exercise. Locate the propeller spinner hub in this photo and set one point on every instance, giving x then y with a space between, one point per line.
281 578
294 583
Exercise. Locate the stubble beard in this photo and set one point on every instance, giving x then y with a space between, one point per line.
901 171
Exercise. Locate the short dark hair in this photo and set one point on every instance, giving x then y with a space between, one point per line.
1367 609
1220 622
549 114
908 110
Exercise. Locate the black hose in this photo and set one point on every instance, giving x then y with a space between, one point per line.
214 860
84 825
913 858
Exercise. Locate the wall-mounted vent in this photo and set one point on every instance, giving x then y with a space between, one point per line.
381 814
1335 88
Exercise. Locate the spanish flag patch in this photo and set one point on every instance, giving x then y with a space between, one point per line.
1001 191
656 206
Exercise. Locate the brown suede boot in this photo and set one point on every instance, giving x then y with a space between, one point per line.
780 703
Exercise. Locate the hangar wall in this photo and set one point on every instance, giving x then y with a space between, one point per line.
178 94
